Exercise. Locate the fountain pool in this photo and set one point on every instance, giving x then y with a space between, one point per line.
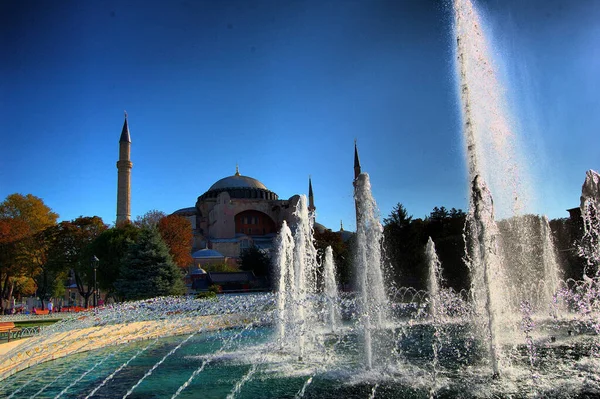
555 357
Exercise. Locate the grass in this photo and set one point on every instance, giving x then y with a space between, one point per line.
35 323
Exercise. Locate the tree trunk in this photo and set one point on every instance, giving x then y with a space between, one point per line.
3 295
10 292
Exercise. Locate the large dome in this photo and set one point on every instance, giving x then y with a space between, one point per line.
239 186
237 181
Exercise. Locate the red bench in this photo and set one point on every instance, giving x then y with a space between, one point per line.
9 328
39 311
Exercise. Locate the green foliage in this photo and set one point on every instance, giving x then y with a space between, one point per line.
220 267
341 253
148 269
567 234
216 288
111 247
70 249
405 239
206 295
254 259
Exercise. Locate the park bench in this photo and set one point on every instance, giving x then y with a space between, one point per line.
9 328
39 311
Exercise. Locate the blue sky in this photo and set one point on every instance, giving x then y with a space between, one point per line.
283 88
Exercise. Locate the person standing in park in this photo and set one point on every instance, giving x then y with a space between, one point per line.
50 306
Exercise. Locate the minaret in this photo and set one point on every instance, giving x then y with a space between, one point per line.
124 166
356 162
311 200
356 174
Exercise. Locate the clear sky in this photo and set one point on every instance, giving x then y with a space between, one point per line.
283 88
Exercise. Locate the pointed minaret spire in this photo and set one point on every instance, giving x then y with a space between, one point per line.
341 225
237 170
124 166
311 199
125 132
355 183
356 161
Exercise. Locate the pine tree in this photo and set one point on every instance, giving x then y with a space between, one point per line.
148 269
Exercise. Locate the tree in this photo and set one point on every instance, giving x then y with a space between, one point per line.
176 231
398 217
70 249
150 219
403 241
111 248
29 209
220 267
21 218
341 253
255 260
148 269
567 234
404 244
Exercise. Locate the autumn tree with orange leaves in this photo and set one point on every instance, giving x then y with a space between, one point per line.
22 218
176 232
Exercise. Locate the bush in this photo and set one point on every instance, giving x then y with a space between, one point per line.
206 295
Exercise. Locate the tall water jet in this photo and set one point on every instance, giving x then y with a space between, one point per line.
286 288
590 203
369 232
493 149
331 291
434 281
296 263
434 285
492 156
305 273
483 259
552 270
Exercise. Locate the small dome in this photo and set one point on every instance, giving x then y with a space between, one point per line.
319 227
237 181
186 212
198 271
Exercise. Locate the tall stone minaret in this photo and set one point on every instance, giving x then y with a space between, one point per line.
124 166
311 199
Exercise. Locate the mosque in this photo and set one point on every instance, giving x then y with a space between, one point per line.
238 212
235 213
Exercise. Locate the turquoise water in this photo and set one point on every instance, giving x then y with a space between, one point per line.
242 363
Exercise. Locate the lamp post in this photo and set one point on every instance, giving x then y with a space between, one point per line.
95 261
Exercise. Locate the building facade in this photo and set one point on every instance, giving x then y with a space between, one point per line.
238 212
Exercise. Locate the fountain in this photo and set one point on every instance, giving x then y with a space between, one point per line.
501 339
330 290
590 203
